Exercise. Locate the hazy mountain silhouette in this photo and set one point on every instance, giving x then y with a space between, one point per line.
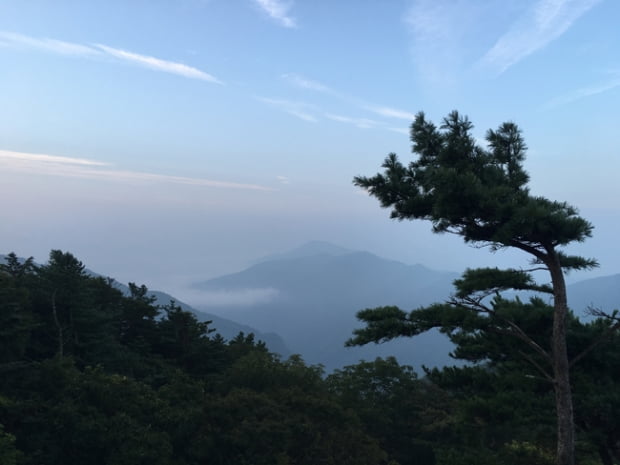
306 250
602 293
304 301
316 290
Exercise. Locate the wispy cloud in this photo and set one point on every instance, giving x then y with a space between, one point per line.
283 179
278 10
47 159
392 113
47 45
159 64
362 123
300 110
91 169
442 34
98 50
585 92
305 83
541 24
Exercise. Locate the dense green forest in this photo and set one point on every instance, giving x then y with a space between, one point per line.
88 375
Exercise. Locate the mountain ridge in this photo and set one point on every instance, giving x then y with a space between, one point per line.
314 299
318 295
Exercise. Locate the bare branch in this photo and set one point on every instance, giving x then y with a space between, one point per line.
536 365
476 305
606 335
601 314
528 340
539 268
543 257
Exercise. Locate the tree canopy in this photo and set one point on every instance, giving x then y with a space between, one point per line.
481 194
117 379
478 193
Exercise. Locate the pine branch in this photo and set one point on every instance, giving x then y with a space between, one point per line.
536 365
606 334
476 305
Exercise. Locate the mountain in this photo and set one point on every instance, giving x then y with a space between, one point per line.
227 328
310 296
306 250
305 300
313 296
602 293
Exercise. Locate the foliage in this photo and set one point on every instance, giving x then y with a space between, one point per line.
135 383
93 376
403 412
481 195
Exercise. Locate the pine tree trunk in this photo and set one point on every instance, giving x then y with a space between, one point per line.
562 387
61 342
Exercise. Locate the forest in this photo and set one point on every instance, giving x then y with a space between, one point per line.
89 375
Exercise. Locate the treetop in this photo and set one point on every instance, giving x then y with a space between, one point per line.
479 193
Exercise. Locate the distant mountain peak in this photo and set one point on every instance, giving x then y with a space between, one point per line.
307 249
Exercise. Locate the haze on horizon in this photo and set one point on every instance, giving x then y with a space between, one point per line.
169 142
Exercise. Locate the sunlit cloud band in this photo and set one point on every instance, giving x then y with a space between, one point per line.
82 168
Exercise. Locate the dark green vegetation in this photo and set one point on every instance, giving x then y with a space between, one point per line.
318 288
89 375
481 195
92 376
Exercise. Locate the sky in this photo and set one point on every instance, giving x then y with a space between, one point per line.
165 142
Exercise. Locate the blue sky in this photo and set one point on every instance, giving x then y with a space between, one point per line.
162 141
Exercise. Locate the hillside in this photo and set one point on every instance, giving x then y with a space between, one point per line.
95 376
602 293
310 296
313 299
225 327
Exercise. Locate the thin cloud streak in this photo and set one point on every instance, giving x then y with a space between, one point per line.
47 45
543 23
362 123
300 110
99 50
305 83
388 112
82 168
158 64
584 92
278 10
43 158
392 113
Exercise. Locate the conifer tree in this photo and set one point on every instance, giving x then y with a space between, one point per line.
481 195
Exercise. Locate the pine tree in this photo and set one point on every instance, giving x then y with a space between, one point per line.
481 195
